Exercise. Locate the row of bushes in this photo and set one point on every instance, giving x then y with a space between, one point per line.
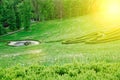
75 71
89 37
96 37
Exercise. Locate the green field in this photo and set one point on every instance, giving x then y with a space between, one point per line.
52 52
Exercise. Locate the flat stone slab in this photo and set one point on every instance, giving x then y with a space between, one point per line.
23 43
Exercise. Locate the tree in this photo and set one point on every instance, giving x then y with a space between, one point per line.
2 30
17 14
18 20
36 9
12 18
26 14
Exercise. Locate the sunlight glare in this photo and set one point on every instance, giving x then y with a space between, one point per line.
114 9
111 8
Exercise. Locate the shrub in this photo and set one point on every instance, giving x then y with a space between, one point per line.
74 71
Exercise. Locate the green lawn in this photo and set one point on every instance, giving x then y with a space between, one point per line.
52 52
87 58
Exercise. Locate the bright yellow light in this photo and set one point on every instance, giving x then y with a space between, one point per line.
108 13
111 8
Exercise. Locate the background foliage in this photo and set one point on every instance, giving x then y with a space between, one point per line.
17 14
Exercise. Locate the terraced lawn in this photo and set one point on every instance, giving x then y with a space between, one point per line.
51 51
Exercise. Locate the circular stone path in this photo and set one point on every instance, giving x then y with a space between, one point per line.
23 43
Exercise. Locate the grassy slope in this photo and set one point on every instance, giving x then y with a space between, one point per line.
55 52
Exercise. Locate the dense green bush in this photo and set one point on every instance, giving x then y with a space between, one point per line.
76 71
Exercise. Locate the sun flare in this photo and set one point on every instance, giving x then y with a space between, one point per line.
111 8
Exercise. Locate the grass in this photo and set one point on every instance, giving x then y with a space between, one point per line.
96 37
51 51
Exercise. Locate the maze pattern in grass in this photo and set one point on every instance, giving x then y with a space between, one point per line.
96 37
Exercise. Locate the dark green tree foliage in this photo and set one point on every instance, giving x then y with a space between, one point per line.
12 19
10 14
17 14
18 20
57 9
35 10
2 30
4 14
1 11
26 14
